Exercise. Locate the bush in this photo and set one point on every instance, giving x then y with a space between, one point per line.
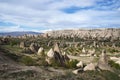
113 64
71 64
28 61
112 50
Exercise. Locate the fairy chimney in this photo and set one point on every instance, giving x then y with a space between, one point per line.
80 64
57 49
90 66
103 61
34 47
83 50
41 51
22 45
50 53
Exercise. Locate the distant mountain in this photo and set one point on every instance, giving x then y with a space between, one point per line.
19 33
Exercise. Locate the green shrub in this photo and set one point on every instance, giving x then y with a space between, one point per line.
112 50
27 61
55 63
113 64
71 64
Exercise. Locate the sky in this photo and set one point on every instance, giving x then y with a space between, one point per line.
47 15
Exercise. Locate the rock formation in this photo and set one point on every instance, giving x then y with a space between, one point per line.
51 53
86 33
56 48
41 51
77 71
103 61
56 56
34 47
80 64
91 52
90 66
22 45
83 50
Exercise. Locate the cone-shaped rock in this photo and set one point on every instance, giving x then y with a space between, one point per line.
34 47
65 57
22 45
40 51
83 50
103 62
57 49
50 53
80 64
90 66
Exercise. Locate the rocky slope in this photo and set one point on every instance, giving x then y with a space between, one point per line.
110 32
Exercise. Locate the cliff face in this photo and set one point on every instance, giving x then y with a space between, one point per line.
81 33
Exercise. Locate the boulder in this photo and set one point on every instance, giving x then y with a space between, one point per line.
80 64
90 66
83 50
77 71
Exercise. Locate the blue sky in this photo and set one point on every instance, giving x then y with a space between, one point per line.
46 15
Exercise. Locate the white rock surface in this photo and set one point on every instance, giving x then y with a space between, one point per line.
50 53
80 64
90 66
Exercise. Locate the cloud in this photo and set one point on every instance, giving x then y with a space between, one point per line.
42 15
10 28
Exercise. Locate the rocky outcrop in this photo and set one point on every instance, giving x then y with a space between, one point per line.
86 33
41 51
103 62
57 49
22 45
51 53
77 71
34 47
90 66
83 50
80 64
56 56
91 52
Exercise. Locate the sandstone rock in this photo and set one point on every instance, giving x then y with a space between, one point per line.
49 60
80 64
56 48
77 71
65 57
22 45
91 52
56 56
41 52
51 53
34 47
90 66
49 43
103 61
83 33
83 50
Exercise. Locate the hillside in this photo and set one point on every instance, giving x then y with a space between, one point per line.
82 33
19 33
